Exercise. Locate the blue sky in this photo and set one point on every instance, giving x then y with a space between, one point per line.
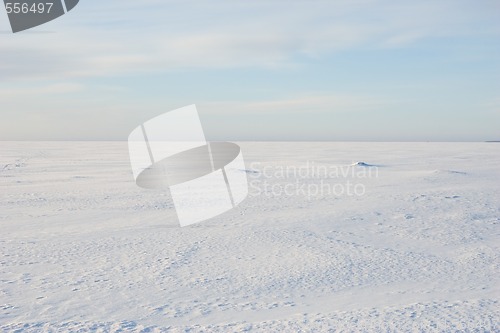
258 70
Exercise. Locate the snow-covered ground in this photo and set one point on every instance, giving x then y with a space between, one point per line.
415 249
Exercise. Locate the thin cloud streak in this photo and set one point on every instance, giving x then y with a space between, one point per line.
310 103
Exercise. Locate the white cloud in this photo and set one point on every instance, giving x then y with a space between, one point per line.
120 37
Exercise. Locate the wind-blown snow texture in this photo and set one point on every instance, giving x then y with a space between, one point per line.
84 249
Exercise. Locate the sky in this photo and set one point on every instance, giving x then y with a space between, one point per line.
258 70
